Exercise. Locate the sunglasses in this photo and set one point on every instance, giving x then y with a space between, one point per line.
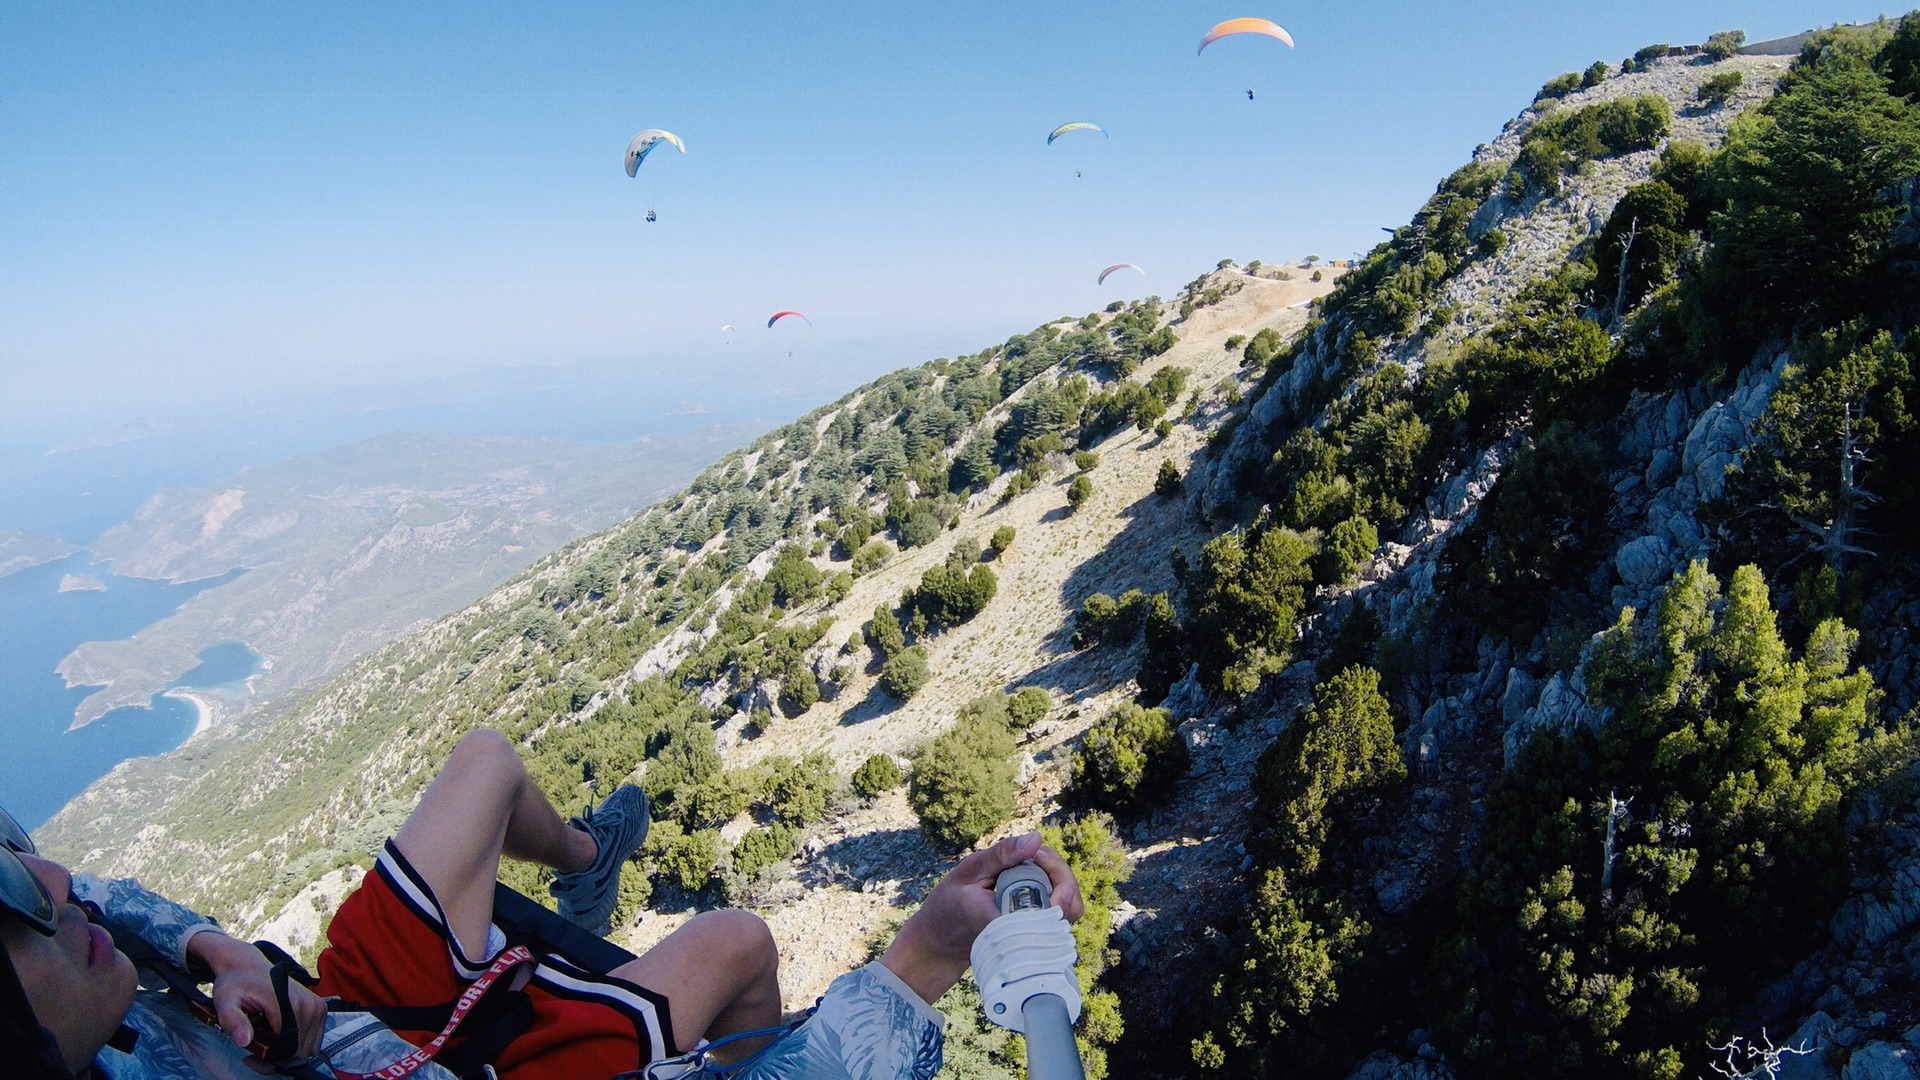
21 891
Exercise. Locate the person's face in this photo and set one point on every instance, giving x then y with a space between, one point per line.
80 986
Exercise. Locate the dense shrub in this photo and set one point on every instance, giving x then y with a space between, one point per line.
1166 483
1342 748
876 776
799 792
871 557
1001 541
1346 546
991 706
1595 74
1719 89
886 634
1079 491
1086 460
1028 706
1017 485
1247 594
905 673
1647 54
1128 761
921 526
1723 44
1562 139
1264 346
763 847
1104 620
693 860
1558 87
952 592
794 578
963 783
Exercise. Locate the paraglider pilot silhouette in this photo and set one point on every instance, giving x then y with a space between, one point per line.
421 935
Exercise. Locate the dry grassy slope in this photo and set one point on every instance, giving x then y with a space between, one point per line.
864 866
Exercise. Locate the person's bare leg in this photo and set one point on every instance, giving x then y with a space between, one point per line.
482 804
721 975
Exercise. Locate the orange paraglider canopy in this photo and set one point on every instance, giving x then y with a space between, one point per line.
1244 26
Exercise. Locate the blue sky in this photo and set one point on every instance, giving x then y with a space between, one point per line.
209 203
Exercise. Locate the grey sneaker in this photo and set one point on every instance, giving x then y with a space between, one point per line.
618 825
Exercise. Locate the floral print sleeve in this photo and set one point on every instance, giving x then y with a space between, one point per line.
869 1026
132 913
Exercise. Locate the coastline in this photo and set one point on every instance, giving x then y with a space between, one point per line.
203 709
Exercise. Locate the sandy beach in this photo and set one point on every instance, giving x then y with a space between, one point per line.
203 709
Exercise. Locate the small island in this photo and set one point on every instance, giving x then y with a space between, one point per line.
81 583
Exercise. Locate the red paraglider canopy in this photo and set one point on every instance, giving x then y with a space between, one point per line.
778 315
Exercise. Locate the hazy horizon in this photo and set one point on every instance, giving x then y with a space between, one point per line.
227 212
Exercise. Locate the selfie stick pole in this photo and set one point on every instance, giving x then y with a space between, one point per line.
1024 964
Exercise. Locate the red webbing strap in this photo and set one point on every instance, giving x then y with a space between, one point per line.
507 961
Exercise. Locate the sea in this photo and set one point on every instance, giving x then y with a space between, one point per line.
76 488
44 764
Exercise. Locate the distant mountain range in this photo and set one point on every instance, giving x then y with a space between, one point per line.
344 549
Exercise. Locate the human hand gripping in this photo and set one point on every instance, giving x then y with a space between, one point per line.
243 990
931 951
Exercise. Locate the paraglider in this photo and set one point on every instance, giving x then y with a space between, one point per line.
778 315
1118 266
727 329
1078 125
1249 93
1244 26
645 143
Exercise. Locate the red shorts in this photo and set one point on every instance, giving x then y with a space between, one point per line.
389 946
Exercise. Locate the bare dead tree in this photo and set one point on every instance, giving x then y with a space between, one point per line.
1748 1059
1626 249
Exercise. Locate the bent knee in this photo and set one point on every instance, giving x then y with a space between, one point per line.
484 748
743 936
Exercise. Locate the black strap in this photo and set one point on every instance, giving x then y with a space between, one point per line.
490 1028
479 1049
278 955
285 1044
548 934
